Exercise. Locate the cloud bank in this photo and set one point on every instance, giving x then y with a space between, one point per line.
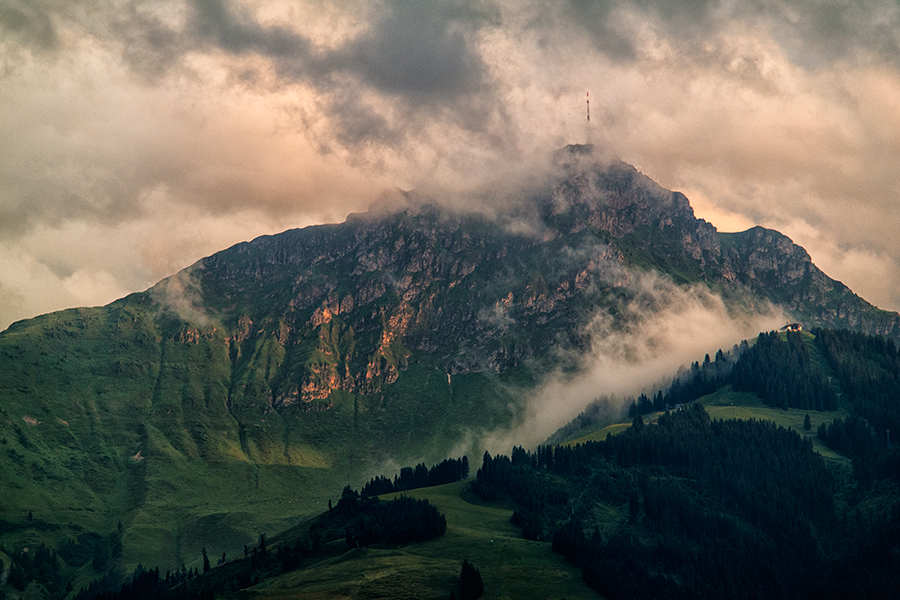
138 136
667 328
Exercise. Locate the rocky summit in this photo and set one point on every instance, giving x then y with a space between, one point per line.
355 302
242 393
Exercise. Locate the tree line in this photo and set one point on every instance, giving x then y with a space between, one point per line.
40 572
369 521
782 373
358 519
410 478
710 509
868 370
777 367
780 369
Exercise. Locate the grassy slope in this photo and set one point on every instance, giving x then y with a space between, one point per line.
169 521
728 404
129 438
239 500
510 566
103 419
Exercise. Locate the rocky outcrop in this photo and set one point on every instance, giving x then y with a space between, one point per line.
475 295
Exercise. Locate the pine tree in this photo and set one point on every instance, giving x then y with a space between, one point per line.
205 561
638 423
470 584
807 424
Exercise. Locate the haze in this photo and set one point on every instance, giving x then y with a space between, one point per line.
137 137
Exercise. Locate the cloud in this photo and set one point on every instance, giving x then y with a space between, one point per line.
406 66
424 51
820 31
88 263
182 295
667 327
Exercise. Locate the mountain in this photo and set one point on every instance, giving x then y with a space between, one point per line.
241 394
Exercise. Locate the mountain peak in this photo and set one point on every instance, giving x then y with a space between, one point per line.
410 249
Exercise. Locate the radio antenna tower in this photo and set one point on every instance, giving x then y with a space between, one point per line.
588 125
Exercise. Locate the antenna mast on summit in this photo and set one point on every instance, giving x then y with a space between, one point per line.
588 125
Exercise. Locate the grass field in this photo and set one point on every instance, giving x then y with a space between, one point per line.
510 566
600 434
727 404
104 420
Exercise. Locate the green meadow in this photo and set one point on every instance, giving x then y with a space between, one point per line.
727 404
511 567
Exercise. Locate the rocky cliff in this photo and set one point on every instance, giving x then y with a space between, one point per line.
352 303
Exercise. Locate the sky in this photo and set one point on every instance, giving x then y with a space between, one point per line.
137 137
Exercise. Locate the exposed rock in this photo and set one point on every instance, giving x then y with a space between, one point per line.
462 288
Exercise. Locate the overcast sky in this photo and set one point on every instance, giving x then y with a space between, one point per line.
137 137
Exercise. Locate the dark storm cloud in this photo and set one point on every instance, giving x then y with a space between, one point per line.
606 23
236 31
149 46
423 50
825 30
27 24
676 19
411 48
418 59
409 65
815 31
